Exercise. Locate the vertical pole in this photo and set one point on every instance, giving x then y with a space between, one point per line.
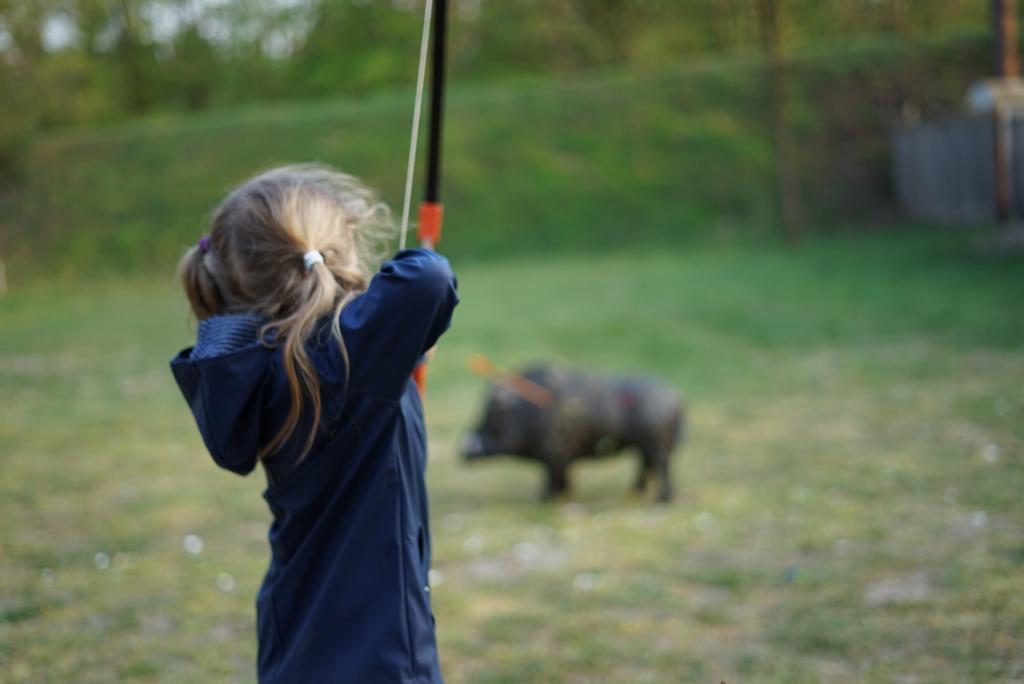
1004 40
1004 33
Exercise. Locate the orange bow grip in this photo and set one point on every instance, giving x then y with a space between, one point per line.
431 214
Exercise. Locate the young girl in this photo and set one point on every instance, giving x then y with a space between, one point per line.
302 363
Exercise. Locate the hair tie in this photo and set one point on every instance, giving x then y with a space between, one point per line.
312 257
204 244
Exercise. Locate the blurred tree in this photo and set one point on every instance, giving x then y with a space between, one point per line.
614 23
22 21
67 89
515 38
788 178
15 122
82 61
135 58
357 46
93 20
192 71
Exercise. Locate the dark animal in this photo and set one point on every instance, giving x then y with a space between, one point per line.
555 417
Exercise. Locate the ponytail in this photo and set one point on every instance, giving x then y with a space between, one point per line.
199 283
319 298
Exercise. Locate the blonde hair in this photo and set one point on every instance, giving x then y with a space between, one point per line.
252 261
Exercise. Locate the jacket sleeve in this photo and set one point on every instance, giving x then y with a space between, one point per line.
406 308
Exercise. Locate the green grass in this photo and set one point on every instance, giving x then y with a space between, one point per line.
848 507
528 168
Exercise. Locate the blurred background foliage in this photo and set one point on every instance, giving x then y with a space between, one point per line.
86 61
591 114
91 60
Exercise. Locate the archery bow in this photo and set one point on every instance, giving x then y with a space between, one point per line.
431 210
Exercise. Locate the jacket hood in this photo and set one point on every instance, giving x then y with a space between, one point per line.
225 393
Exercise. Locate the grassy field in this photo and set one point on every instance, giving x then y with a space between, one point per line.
849 502
528 168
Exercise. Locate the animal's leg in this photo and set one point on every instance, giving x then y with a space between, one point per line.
662 454
557 481
659 458
644 465
665 477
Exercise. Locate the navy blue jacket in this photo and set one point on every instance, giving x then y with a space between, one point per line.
346 597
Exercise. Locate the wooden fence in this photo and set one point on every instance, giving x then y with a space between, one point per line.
946 170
